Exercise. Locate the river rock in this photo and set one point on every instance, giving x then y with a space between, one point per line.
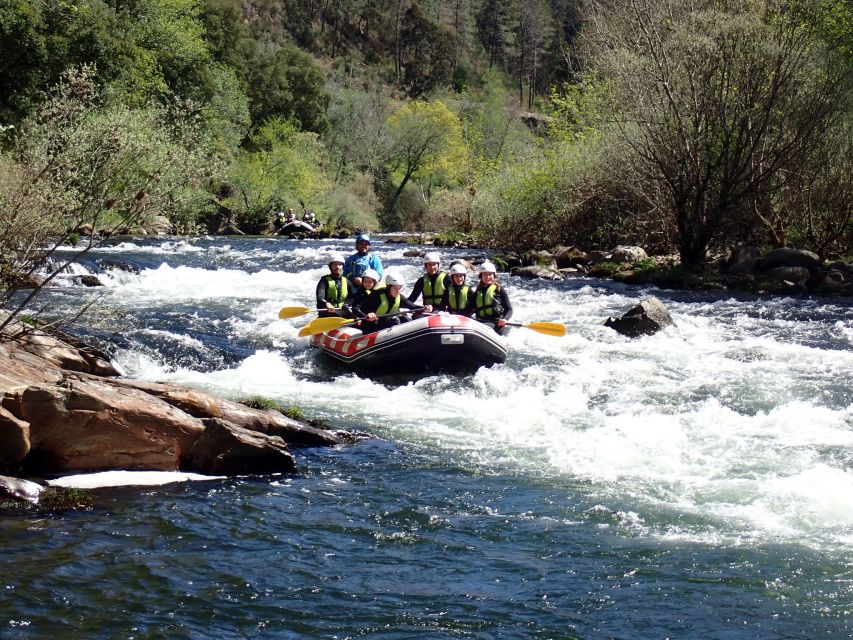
14 439
87 425
204 405
743 260
226 449
21 490
844 267
569 257
539 259
786 257
56 415
647 318
413 253
794 275
597 256
535 271
628 254
88 281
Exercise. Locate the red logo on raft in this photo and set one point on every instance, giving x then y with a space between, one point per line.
346 345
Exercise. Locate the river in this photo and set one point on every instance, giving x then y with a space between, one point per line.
693 484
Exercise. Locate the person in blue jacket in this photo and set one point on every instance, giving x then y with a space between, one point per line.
361 260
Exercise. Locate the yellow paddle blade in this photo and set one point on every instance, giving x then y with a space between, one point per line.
321 325
293 312
557 329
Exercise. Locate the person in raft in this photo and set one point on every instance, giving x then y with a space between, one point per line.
334 291
455 297
432 284
489 302
382 303
361 260
370 283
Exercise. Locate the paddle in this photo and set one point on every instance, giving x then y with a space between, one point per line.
321 325
295 312
557 329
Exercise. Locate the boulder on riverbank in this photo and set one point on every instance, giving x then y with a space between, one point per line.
64 409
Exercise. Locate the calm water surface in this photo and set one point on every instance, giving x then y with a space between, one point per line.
693 484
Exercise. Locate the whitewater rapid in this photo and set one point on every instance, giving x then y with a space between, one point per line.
735 425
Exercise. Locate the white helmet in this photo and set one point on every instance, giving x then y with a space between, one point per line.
458 268
487 267
336 257
392 279
432 256
372 274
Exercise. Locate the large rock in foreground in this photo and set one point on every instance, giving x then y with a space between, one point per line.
647 318
63 409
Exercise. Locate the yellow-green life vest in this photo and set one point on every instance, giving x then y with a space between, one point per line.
433 296
333 294
387 306
485 301
457 298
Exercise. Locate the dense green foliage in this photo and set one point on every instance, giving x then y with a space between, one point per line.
682 126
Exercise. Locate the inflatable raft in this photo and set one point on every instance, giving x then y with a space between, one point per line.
297 226
430 343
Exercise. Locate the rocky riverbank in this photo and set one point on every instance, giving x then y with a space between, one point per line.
784 271
65 409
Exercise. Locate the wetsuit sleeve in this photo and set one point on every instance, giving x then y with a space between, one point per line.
505 304
321 293
369 305
405 303
417 290
444 305
471 307
350 292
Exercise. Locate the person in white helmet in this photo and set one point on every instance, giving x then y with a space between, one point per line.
371 282
376 308
489 302
432 284
334 291
455 297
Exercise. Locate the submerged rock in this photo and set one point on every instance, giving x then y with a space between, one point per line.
647 318
18 489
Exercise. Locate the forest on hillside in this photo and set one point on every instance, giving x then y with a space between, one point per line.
685 126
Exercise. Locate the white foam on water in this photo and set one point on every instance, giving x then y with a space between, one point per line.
104 479
171 284
720 423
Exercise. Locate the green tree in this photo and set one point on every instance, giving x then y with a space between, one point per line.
283 167
427 53
715 99
78 163
425 139
288 84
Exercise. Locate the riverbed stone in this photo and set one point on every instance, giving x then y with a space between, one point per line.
569 257
629 254
87 425
794 275
647 318
535 271
742 260
597 256
14 439
786 257
204 405
226 449
20 490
